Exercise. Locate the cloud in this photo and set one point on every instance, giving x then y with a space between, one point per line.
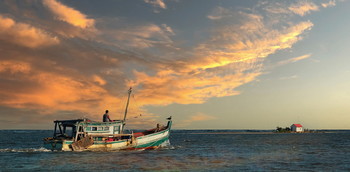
82 81
99 80
69 15
143 36
251 38
184 88
231 57
50 91
47 83
14 67
295 59
289 77
24 34
157 3
200 117
219 13
303 7
331 3
195 118
300 8
168 29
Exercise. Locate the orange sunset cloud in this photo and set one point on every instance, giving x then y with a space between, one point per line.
24 34
295 59
303 7
196 118
187 89
69 15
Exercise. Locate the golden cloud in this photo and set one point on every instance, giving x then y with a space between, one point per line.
240 47
14 67
69 15
156 3
98 80
195 118
230 58
303 7
55 92
331 3
295 59
49 92
201 117
24 34
184 88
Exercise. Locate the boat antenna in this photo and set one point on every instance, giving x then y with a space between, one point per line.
127 105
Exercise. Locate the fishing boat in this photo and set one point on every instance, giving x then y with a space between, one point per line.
84 134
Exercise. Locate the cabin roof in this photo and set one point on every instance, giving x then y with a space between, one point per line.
68 122
297 125
75 121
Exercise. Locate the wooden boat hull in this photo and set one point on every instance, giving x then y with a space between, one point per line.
149 141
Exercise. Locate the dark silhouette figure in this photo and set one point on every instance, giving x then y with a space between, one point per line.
106 117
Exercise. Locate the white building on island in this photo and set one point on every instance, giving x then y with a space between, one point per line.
297 128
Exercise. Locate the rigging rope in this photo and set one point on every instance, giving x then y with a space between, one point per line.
136 105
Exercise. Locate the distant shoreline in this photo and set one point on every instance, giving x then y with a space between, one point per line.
264 132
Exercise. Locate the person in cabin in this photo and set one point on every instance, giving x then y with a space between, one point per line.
106 117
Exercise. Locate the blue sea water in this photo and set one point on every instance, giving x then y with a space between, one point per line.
190 150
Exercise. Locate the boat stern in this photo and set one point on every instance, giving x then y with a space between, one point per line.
57 145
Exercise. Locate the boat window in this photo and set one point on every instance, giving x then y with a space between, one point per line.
106 128
88 128
100 128
93 128
69 132
116 128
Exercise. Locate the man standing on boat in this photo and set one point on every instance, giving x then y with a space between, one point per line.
106 117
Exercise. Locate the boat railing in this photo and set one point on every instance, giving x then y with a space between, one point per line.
108 135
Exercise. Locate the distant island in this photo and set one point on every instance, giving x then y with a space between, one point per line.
293 129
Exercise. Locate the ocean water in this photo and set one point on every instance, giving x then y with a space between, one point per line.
190 150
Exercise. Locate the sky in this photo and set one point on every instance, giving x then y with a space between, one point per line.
210 64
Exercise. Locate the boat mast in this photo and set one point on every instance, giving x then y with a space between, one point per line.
127 105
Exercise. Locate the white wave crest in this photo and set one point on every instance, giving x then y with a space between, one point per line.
41 149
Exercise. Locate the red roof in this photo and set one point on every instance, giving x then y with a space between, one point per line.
297 125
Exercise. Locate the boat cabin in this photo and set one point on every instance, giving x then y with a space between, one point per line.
71 129
65 128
